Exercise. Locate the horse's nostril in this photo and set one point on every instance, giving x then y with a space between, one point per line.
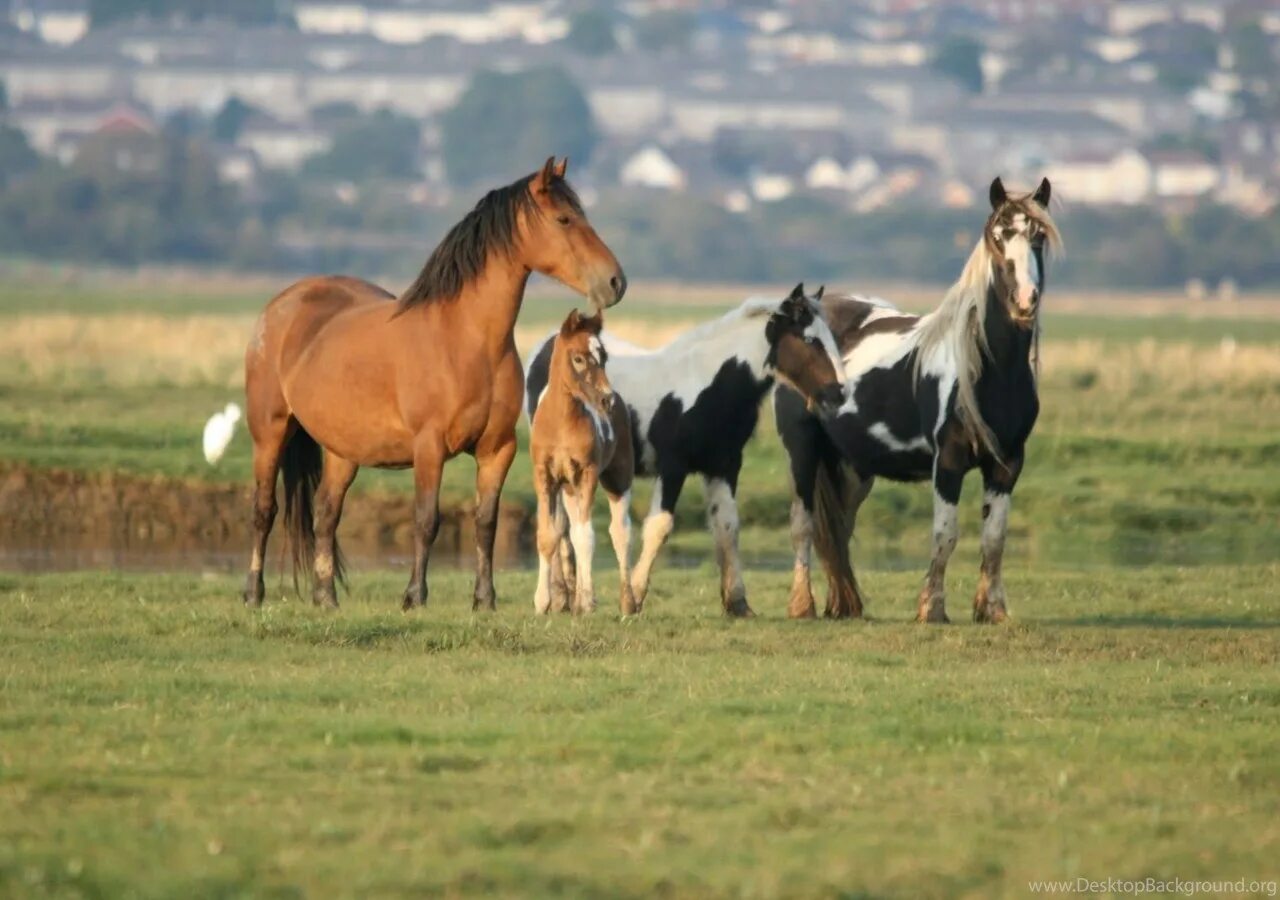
619 284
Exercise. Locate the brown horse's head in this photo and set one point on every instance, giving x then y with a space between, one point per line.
803 353
578 360
560 242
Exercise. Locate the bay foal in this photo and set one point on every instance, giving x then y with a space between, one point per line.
580 437
340 374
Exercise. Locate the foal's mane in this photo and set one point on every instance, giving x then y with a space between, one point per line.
959 322
491 227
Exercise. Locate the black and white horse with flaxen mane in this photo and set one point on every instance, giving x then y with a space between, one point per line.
694 405
930 397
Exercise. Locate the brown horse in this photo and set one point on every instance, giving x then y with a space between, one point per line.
339 374
580 437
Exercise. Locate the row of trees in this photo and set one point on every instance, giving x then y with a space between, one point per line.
168 205
134 197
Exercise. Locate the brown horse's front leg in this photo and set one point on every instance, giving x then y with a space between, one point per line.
491 472
428 463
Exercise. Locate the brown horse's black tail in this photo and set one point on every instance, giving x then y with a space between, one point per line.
301 462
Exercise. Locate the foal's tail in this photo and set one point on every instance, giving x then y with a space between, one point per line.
302 461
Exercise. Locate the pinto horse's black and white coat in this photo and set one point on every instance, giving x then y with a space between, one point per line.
695 403
930 397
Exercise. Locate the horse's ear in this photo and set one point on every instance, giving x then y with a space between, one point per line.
571 323
1041 195
818 294
542 180
561 167
997 193
797 292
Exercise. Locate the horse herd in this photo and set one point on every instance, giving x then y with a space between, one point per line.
340 373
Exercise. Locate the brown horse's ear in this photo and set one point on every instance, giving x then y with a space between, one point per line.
571 323
561 167
542 181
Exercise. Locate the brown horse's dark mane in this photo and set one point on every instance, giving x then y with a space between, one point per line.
490 227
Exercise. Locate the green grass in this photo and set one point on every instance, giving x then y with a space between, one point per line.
158 740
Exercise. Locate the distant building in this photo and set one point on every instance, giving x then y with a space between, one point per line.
281 145
1091 179
650 167
58 22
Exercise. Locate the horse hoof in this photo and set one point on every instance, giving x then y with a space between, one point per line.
933 615
412 599
989 613
739 609
487 604
251 600
801 606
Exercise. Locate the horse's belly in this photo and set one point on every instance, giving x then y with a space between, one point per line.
370 440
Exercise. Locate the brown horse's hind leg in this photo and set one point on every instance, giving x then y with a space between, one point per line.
269 438
428 463
491 472
335 479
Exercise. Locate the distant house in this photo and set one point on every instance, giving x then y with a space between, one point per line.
58 22
469 22
650 167
1124 177
1180 175
281 145
770 187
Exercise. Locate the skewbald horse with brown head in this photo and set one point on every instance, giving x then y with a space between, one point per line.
339 374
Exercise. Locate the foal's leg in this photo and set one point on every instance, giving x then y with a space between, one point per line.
269 438
562 566
620 534
335 479
548 540
657 528
997 484
428 463
491 472
946 494
722 518
583 538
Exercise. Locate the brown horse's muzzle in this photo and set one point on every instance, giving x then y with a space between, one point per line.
605 294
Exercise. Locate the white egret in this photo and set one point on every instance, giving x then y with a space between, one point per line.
218 432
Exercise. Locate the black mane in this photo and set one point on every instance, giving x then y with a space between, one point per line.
490 227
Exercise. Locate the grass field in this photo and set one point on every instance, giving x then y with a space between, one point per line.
158 740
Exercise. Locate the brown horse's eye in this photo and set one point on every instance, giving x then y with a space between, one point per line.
579 361
563 220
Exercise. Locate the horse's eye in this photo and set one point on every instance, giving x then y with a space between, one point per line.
563 220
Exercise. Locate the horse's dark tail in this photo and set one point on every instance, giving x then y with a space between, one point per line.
302 461
834 507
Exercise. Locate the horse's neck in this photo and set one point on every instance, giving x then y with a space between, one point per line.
1008 344
491 303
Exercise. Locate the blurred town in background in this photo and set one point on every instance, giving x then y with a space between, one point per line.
755 140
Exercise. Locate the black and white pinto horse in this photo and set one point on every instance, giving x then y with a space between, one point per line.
695 403
930 397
